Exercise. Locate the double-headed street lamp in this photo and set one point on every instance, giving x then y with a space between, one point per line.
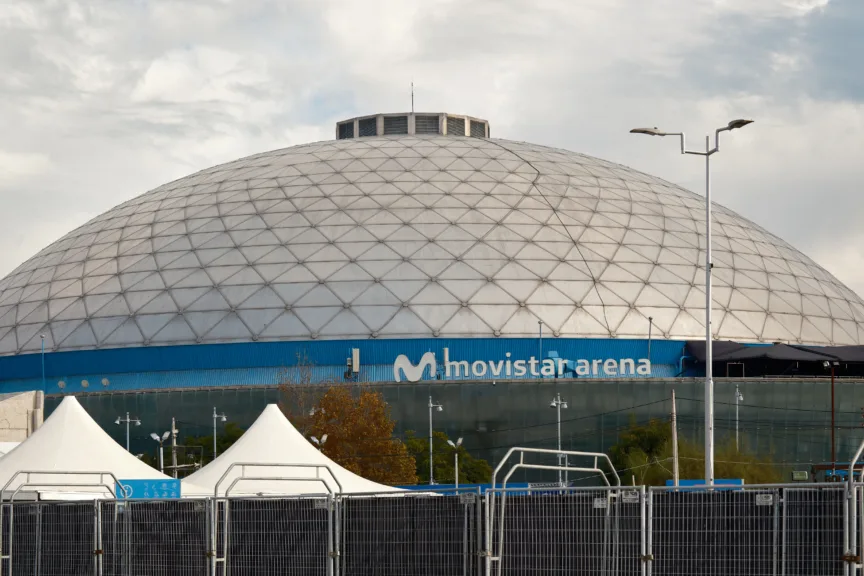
160 440
456 456
709 379
319 442
558 404
439 408
127 421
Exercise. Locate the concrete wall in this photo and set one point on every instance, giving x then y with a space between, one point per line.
20 415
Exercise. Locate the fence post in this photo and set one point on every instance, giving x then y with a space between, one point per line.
97 537
779 500
783 529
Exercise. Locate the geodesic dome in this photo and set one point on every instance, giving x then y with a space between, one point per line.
415 236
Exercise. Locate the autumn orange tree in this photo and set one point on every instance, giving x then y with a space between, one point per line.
359 429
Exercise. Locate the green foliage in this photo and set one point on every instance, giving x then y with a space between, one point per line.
197 445
645 451
640 443
471 470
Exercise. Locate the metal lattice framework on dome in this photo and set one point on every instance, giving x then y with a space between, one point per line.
413 236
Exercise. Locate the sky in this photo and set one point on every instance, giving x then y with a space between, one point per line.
102 101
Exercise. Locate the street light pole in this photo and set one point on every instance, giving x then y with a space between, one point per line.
709 377
456 457
160 440
558 404
738 398
42 336
216 417
127 420
440 408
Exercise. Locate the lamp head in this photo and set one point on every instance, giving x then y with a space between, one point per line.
739 123
459 441
137 422
440 408
552 404
166 435
224 418
315 440
649 131
563 405
826 364
323 438
450 442
155 436
117 421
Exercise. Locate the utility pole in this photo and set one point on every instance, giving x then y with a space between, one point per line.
675 475
174 447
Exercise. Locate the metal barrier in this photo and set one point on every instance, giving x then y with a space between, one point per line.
154 537
780 530
278 536
286 554
396 534
570 531
754 531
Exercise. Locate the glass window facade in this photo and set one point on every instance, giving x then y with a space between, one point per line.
788 419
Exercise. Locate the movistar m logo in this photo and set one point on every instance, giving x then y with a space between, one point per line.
414 373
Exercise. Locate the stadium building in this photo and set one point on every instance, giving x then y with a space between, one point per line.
420 254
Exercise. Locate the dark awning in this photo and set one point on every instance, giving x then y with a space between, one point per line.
733 352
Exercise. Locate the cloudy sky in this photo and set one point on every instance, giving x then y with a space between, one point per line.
101 101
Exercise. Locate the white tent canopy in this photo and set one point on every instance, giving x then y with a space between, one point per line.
273 440
71 441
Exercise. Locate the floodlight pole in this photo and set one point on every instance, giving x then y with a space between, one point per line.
216 417
737 400
42 336
431 405
709 356
557 403
127 420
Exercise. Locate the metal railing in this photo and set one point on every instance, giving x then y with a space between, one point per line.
775 530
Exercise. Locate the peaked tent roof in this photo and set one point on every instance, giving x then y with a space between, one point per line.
272 439
71 441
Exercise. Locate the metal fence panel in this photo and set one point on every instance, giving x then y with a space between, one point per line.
285 537
715 533
416 534
812 531
568 531
49 539
154 538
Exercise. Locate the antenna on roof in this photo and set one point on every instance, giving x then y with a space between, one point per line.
412 96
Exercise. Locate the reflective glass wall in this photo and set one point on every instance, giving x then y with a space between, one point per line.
787 418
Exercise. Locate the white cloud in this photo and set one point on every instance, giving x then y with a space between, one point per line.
122 97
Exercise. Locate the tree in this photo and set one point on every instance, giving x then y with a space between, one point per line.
645 451
359 433
298 393
471 470
204 444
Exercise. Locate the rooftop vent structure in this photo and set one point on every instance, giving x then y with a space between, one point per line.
411 123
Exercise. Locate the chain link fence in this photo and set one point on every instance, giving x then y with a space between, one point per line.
798 530
412 533
566 531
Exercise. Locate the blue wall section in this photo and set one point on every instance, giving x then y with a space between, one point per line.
268 363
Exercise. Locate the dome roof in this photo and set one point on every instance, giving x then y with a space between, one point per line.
415 236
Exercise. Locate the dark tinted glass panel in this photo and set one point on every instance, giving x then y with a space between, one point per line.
395 125
368 127
478 129
346 130
456 126
426 125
